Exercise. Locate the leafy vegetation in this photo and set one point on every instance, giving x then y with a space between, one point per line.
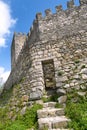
53 98
76 110
16 121
6 96
1 85
28 120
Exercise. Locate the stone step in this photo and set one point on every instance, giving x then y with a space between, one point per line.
50 112
49 104
53 122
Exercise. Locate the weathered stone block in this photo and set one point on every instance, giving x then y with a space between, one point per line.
36 95
61 92
62 99
22 112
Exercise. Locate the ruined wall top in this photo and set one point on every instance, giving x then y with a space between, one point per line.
61 24
70 5
49 22
49 15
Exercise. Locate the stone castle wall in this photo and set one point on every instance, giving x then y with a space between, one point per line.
61 37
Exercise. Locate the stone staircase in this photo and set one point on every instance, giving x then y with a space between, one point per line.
51 118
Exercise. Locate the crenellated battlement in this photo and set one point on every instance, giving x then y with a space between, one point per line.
70 5
58 21
61 24
58 25
48 12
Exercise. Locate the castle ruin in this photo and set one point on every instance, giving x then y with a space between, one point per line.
53 54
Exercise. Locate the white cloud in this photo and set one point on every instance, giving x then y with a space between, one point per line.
6 22
4 74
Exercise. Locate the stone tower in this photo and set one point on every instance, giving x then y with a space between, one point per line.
17 44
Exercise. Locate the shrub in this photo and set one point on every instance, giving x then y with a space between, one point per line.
77 112
16 125
30 117
28 120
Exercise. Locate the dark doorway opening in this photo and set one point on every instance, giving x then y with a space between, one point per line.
49 74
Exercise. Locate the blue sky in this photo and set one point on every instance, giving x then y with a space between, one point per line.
17 16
